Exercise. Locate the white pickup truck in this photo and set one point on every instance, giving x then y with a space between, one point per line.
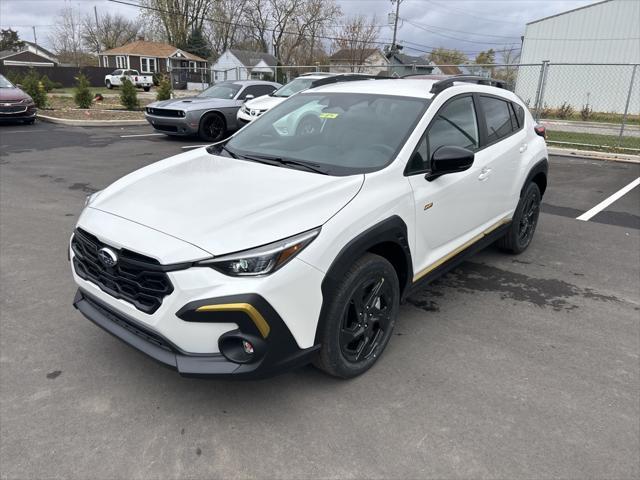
114 79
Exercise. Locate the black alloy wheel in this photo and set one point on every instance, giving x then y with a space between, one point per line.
528 220
358 317
523 225
366 319
212 128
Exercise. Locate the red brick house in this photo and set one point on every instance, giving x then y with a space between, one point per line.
151 57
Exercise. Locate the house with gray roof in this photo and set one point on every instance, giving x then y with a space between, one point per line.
235 64
29 55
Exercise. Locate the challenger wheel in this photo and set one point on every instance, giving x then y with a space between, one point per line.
213 128
525 220
360 317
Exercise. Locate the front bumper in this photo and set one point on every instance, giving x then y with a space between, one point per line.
280 352
244 118
181 126
18 112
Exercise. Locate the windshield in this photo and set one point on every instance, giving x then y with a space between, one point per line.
4 83
340 133
221 90
292 87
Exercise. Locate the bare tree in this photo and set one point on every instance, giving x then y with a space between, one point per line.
223 30
176 19
257 17
66 37
318 15
357 38
112 30
509 56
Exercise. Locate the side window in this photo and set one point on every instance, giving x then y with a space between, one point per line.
263 90
256 91
497 114
519 114
455 125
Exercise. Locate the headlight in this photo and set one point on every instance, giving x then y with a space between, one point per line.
27 100
262 260
90 198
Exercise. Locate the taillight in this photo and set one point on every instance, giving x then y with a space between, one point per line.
541 130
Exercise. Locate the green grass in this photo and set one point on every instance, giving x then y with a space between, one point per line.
602 143
601 117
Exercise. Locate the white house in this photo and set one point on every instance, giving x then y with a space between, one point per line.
603 32
236 64
361 60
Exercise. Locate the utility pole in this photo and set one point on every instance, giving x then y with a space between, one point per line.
95 12
35 38
395 24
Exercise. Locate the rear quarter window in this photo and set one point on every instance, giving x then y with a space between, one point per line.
498 117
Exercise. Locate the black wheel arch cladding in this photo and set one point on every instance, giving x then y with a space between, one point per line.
538 174
387 239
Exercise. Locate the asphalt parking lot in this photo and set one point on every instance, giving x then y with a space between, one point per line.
508 367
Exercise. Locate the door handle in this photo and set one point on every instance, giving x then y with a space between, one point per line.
523 148
484 174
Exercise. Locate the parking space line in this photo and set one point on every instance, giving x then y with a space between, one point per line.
143 135
586 216
194 146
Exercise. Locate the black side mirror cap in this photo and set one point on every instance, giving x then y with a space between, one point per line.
449 159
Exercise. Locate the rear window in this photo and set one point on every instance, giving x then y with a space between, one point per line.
497 114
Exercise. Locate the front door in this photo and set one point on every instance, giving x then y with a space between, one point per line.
450 210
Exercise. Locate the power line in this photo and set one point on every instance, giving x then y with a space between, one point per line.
470 14
244 25
455 38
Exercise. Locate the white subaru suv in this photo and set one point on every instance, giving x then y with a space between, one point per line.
274 249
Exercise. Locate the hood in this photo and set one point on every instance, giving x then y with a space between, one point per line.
265 102
224 205
12 94
194 103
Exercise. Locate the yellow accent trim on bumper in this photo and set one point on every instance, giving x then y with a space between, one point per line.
460 249
257 318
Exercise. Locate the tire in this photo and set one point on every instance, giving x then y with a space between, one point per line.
213 128
308 125
146 89
525 220
108 84
351 343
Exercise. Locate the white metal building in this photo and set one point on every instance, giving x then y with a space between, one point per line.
603 32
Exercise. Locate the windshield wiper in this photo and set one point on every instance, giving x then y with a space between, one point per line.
313 167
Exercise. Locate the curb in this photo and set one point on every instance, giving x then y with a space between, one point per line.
593 155
91 123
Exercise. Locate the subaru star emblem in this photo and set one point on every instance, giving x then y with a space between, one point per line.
107 257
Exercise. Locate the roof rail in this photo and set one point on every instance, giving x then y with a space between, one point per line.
439 86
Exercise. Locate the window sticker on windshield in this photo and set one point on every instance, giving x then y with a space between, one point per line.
328 115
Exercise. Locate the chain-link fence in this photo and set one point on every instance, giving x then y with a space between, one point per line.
589 106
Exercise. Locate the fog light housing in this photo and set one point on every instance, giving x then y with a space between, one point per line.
238 347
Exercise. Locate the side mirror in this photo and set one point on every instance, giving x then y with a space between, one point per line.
249 97
448 159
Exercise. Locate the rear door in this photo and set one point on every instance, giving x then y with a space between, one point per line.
504 143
